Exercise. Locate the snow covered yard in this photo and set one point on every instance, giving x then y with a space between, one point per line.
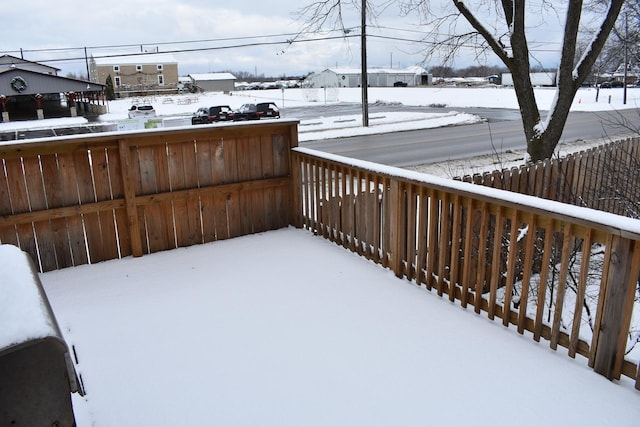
287 329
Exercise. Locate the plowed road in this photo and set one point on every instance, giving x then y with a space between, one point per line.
412 148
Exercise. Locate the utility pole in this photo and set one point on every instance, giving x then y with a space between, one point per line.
86 61
363 61
626 65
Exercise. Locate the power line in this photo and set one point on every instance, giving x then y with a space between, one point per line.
294 39
201 49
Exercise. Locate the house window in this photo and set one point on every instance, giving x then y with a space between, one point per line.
160 79
139 68
116 81
116 68
159 67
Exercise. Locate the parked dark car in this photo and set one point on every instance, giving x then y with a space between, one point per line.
206 115
257 111
612 83
400 84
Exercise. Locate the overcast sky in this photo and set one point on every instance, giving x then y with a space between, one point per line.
212 36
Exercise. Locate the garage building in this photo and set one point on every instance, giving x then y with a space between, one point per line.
214 82
376 77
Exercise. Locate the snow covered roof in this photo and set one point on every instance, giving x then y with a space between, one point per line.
135 58
10 61
212 76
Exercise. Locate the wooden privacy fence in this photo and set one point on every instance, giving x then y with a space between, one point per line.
565 274
86 199
606 178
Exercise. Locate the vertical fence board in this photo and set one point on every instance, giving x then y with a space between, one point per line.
206 158
166 223
70 197
54 189
468 233
455 247
377 219
101 166
567 247
45 239
86 193
496 263
582 285
432 246
444 242
271 148
176 166
527 271
154 215
257 198
422 239
547 225
8 232
413 199
396 226
20 204
511 267
482 260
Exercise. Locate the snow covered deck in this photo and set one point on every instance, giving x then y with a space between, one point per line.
287 329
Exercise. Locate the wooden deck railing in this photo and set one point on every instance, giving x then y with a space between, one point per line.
86 199
563 273
566 274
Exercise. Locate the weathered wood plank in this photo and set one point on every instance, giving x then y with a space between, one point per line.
103 184
567 248
37 202
511 266
86 194
70 197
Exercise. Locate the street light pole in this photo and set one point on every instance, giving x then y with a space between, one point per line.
363 61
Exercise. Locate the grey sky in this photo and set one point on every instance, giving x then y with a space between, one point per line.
206 35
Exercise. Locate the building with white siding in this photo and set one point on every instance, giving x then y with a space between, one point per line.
214 82
376 77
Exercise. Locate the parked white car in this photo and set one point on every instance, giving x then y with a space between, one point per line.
141 111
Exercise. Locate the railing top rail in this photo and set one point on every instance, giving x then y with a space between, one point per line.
599 220
97 139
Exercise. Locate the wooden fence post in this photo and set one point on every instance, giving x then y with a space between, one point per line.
129 199
396 224
296 189
611 327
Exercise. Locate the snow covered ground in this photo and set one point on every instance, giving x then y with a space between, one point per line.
287 329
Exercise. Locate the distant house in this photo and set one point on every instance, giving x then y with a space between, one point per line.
632 74
214 82
142 72
376 77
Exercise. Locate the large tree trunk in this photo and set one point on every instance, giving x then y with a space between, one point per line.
542 136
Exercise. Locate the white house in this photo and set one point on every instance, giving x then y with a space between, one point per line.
214 82
376 77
